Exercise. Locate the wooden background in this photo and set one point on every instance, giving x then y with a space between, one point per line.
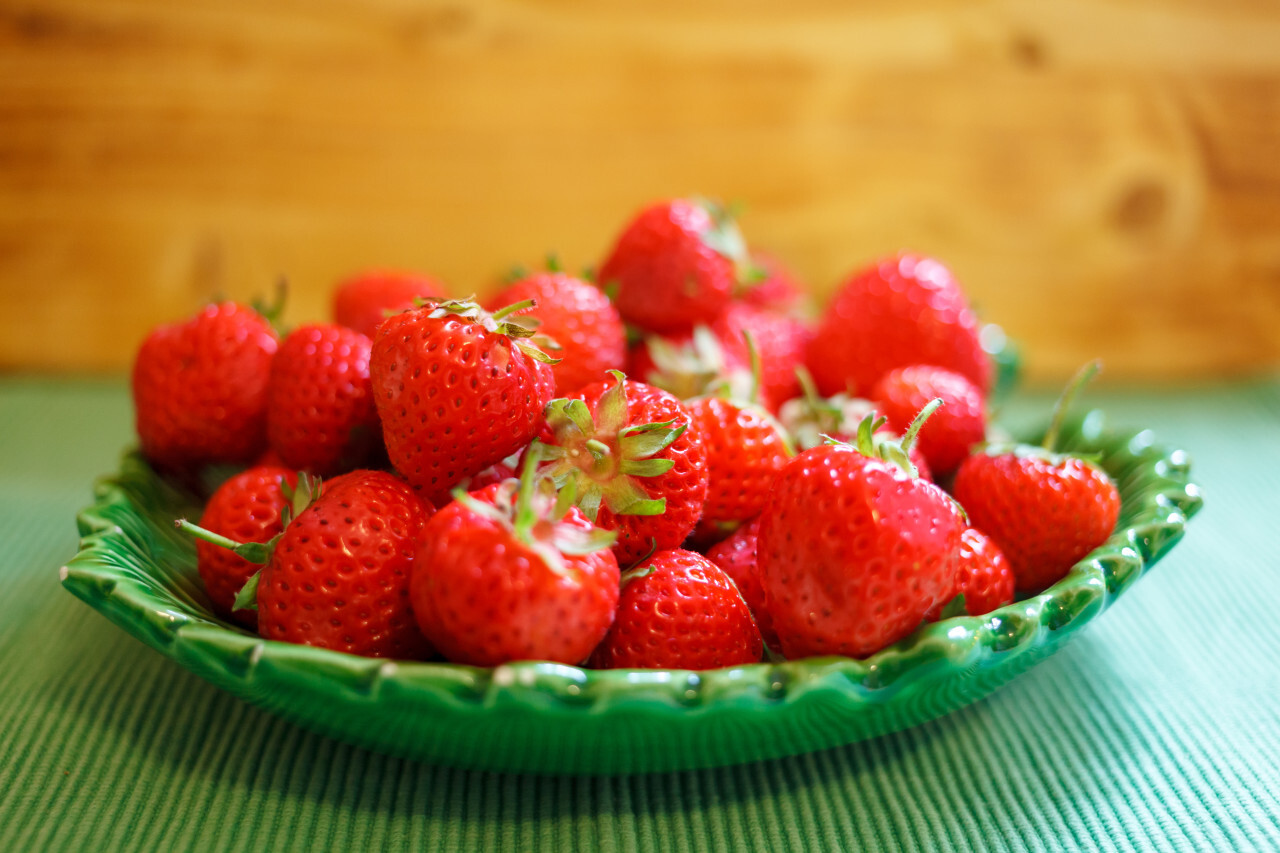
1104 177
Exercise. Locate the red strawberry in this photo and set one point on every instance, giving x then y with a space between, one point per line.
745 451
903 310
579 318
338 576
631 458
779 340
736 555
320 411
1045 510
958 425
676 264
853 551
363 301
246 508
505 574
457 390
983 578
678 610
200 387
776 288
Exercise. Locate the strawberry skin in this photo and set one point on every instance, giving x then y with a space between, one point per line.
736 556
903 310
320 410
363 301
579 318
200 387
853 552
745 452
952 430
983 576
1045 512
674 265
245 508
679 610
484 597
339 575
455 394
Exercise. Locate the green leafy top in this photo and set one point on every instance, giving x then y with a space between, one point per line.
505 321
809 418
600 460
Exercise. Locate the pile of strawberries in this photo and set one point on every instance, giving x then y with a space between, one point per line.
671 466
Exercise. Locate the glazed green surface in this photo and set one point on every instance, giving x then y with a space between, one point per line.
140 572
1155 729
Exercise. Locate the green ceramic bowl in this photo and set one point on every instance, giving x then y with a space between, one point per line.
140 572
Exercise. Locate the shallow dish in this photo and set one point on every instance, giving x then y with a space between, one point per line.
139 571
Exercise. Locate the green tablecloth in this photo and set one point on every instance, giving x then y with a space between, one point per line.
1157 728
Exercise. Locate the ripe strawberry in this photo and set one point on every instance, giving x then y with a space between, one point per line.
579 318
505 573
853 551
736 556
1045 510
780 341
457 390
903 310
338 576
678 610
983 577
246 508
957 426
200 387
746 449
363 301
632 460
776 288
676 264
320 411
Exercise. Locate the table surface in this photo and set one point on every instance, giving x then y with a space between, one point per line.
1158 727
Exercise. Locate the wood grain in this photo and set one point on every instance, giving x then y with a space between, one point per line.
1104 177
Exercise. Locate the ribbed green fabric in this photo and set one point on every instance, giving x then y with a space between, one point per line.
1158 728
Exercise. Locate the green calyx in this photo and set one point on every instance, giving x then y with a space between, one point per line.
896 451
273 311
523 330
1047 449
601 460
687 369
533 509
296 498
726 239
810 418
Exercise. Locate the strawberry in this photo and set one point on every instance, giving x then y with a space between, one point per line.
337 577
200 387
457 389
678 610
983 576
736 556
1045 510
246 508
579 318
632 460
676 264
320 411
509 573
853 550
780 341
775 287
746 448
900 311
363 301
958 425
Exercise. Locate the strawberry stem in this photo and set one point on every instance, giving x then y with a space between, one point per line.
254 552
912 431
513 308
1081 378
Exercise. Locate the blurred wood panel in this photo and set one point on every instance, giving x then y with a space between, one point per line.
1104 177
